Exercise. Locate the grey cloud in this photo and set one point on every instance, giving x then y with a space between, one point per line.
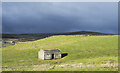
46 17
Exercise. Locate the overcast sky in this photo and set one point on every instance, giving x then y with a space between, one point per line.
49 17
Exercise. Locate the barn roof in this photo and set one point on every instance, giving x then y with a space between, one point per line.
53 50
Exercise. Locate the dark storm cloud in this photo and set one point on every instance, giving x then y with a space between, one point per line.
59 17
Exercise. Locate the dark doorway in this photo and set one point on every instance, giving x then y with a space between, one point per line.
52 56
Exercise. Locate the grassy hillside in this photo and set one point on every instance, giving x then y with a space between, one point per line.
85 53
35 36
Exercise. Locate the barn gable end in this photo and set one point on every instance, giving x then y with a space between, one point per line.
41 54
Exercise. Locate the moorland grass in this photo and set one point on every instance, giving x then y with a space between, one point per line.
88 50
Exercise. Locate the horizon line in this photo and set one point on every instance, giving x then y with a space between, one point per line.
59 32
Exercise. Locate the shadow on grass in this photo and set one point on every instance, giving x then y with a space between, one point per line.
63 55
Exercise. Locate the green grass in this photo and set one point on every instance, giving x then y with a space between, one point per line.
95 51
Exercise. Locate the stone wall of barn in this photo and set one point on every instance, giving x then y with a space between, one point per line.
57 55
48 56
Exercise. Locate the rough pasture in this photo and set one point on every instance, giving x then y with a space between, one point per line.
85 53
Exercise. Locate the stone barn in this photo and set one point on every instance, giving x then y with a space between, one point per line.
49 54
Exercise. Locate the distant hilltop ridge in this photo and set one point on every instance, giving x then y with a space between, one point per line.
83 33
35 36
78 32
